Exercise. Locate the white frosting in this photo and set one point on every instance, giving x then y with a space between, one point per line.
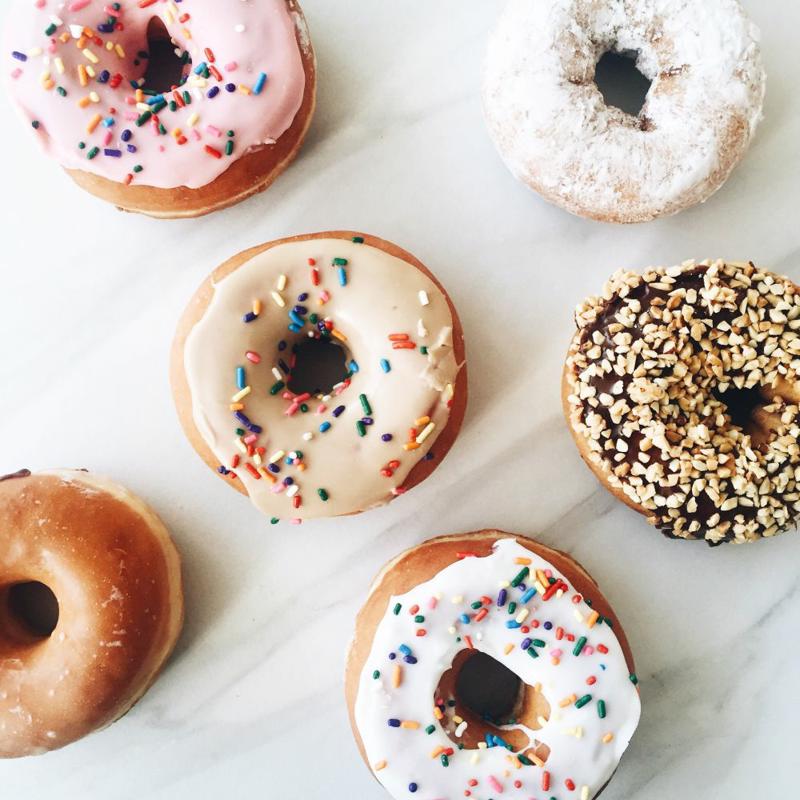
383 295
588 761
554 131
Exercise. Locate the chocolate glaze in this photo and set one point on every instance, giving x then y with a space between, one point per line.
673 413
20 473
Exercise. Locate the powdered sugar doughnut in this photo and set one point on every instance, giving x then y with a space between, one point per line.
553 129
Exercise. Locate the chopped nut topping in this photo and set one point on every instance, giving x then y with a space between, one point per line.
655 371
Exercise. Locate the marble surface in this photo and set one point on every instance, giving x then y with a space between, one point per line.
251 704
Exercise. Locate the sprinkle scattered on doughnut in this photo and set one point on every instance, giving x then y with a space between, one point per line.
112 131
250 453
525 595
652 357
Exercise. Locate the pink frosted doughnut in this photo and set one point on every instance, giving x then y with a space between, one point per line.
216 131
553 129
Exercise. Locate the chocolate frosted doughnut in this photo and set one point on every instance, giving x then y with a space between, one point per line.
681 390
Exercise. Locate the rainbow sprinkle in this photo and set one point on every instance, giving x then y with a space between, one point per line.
94 56
536 636
285 469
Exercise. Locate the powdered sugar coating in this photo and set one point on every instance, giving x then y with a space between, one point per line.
556 134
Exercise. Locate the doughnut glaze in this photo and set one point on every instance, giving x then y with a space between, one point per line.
681 390
76 74
115 573
528 608
555 133
375 434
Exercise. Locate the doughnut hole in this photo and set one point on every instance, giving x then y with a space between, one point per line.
488 688
164 68
29 612
620 82
319 364
741 405
488 696
753 410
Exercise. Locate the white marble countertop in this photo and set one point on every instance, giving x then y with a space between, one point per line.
251 705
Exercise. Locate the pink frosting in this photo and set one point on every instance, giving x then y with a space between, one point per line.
245 39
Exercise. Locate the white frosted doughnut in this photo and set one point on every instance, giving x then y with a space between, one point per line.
501 598
553 129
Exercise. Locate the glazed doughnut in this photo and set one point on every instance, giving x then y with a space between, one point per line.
115 574
681 390
386 423
449 621
224 130
555 133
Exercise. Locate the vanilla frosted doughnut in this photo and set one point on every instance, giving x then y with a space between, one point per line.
553 129
237 117
681 390
534 611
376 433
115 574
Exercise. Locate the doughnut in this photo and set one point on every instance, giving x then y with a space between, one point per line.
681 391
91 605
486 664
169 109
555 132
379 425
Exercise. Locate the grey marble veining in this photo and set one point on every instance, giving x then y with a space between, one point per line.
251 704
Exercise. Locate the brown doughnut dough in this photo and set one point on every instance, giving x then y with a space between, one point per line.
91 605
